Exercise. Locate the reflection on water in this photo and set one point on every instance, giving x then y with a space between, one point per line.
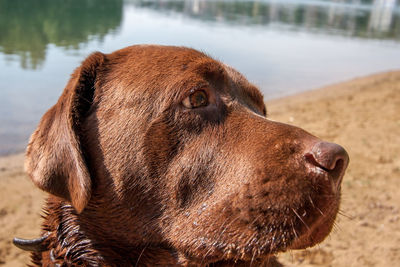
27 27
283 46
366 19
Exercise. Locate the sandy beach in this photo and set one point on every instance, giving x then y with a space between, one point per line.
363 115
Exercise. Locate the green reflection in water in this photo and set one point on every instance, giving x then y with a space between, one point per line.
28 26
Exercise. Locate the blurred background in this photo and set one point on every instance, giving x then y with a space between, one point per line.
282 46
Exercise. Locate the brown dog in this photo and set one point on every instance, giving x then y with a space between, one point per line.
162 156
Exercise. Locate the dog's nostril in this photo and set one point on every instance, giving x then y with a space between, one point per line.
327 155
330 157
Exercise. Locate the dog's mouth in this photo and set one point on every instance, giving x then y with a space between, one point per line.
304 226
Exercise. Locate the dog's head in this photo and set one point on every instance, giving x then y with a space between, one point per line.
164 145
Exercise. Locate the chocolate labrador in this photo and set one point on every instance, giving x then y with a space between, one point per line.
163 156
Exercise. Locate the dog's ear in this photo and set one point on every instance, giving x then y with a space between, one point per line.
55 160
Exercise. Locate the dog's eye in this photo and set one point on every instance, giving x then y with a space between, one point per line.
196 100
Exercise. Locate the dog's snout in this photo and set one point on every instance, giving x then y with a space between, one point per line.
329 157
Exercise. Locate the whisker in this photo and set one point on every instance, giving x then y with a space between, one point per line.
320 211
298 216
311 201
336 227
341 212
140 255
294 230
252 258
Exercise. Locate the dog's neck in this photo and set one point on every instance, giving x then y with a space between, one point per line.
69 243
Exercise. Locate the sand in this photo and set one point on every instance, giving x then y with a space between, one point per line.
363 115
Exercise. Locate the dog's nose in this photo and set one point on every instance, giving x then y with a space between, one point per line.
330 157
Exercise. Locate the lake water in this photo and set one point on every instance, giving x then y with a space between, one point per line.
282 46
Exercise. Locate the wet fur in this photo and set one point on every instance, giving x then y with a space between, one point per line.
136 179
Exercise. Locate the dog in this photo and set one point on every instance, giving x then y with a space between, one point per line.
162 156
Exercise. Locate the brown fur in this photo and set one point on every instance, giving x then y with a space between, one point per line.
138 179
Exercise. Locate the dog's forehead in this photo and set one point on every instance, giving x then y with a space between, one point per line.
158 66
151 68
158 59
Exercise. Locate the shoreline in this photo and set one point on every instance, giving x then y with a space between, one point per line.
362 115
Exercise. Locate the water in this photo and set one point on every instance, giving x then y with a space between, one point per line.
282 46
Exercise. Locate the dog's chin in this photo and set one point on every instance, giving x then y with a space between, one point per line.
318 230
263 254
